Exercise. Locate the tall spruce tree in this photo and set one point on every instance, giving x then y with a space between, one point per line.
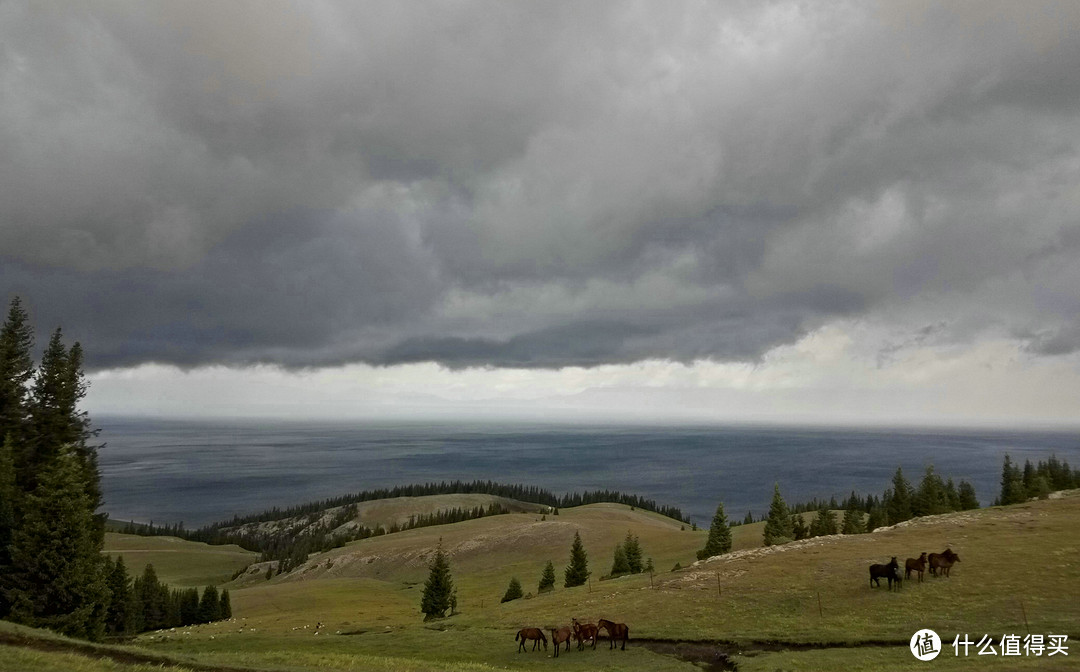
16 370
898 508
189 606
8 493
209 605
824 523
778 529
968 500
719 539
632 549
153 599
619 566
56 578
577 572
120 616
853 519
1012 483
438 588
932 496
547 579
226 604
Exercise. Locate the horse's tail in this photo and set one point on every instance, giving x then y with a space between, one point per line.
517 636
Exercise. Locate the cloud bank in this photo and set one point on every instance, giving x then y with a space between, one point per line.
538 185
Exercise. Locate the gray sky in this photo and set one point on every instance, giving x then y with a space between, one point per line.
766 211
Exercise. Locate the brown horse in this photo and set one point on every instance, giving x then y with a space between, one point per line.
915 565
615 631
584 632
535 634
560 635
943 562
890 572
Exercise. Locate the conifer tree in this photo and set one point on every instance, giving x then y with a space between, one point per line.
824 523
547 579
8 492
16 370
120 616
853 519
439 587
619 565
778 528
1012 483
632 550
932 497
968 500
225 610
577 572
209 605
719 540
56 578
898 508
153 598
189 606
799 530
513 591
876 518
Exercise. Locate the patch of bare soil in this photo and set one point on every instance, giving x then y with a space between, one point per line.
718 656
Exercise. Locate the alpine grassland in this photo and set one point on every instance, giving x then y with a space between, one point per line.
804 605
177 562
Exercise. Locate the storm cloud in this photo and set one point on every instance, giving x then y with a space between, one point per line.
537 184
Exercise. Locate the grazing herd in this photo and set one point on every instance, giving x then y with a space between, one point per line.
582 632
940 564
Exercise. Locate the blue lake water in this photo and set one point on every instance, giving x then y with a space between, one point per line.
199 472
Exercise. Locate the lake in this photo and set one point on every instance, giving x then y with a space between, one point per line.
200 472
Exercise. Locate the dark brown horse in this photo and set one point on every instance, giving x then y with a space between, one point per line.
560 635
890 572
942 562
915 565
535 634
615 631
584 632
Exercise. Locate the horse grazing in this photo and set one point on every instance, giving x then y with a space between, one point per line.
915 565
615 631
943 562
535 634
560 635
890 572
584 632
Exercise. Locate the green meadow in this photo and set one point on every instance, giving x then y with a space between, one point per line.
802 606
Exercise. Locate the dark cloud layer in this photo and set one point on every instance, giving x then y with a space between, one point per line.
537 184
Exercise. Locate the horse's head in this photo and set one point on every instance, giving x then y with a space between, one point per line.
922 558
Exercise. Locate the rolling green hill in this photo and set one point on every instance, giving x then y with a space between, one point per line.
177 562
802 606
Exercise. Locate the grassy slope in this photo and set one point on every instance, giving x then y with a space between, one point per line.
386 512
1022 554
178 562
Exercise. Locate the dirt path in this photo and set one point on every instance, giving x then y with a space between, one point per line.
717 656
116 655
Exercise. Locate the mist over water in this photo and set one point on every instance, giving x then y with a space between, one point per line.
200 472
